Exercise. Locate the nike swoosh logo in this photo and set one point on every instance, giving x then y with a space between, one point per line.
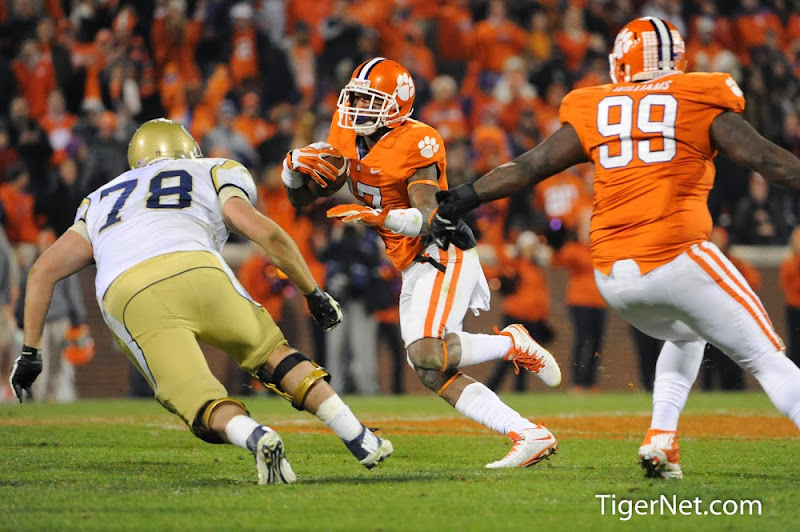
373 171
546 438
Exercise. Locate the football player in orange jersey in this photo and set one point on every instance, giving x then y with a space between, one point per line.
396 167
652 135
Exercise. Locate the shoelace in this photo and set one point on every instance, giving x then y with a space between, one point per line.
517 439
524 358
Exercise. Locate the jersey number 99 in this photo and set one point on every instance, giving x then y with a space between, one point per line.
623 129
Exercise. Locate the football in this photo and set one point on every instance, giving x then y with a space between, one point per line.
341 163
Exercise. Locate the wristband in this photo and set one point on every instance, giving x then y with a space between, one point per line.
30 352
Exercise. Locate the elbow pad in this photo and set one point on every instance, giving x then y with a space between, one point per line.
406 222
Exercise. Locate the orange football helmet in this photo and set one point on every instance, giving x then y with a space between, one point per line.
380 94
646 48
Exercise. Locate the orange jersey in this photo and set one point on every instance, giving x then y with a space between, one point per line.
653 159
790 280
379 178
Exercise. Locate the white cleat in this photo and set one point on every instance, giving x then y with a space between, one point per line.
271 462
527 352
660 455
531 446
369 449
384 451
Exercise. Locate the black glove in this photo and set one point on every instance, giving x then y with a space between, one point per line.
442 230
325 310
455 202
26 368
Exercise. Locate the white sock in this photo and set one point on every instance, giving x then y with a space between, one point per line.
479 403
477 348
676 370
338 417
239 428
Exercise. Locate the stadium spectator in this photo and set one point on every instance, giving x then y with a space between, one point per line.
352 259
455 38
8 153
760 218
105 154
444 111
303 63
790 284
10 278
249 123
17 202
514 93
703 49
57 380
526 300
387 314
224 136
587 308
60 200
175 38
36 78
58 55
573 39
751 22
496 39
58 123
31 142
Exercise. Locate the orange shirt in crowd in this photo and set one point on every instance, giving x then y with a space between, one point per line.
454 32
312 12
790 280
531 300
59 132
244 58
21 226
644 209
35 83
254 128
582 290
749 31
574 49
261 279
562 196
177 48
494 43
509 114
701 56
447 117
490 146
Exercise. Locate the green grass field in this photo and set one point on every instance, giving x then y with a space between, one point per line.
111 465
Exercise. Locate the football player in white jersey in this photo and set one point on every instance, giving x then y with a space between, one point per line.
155 234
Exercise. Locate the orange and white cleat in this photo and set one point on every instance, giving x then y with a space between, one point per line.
527 352
531 446
660 454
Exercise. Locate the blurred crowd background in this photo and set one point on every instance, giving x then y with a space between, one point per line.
251 80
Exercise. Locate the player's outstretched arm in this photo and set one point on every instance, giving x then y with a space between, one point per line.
558 152
243 218
69 254
735 138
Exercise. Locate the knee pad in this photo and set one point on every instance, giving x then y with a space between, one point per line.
424 356
200 425
298 397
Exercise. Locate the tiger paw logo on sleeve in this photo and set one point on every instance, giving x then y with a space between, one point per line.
405 86
428 147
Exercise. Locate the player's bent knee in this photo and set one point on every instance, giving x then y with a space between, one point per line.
297 396
427 354
201 426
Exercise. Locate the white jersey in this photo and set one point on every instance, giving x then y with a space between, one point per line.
167 206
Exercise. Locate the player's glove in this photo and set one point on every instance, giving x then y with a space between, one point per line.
325 310
360 213
311 162
442 229
454 203
26 368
